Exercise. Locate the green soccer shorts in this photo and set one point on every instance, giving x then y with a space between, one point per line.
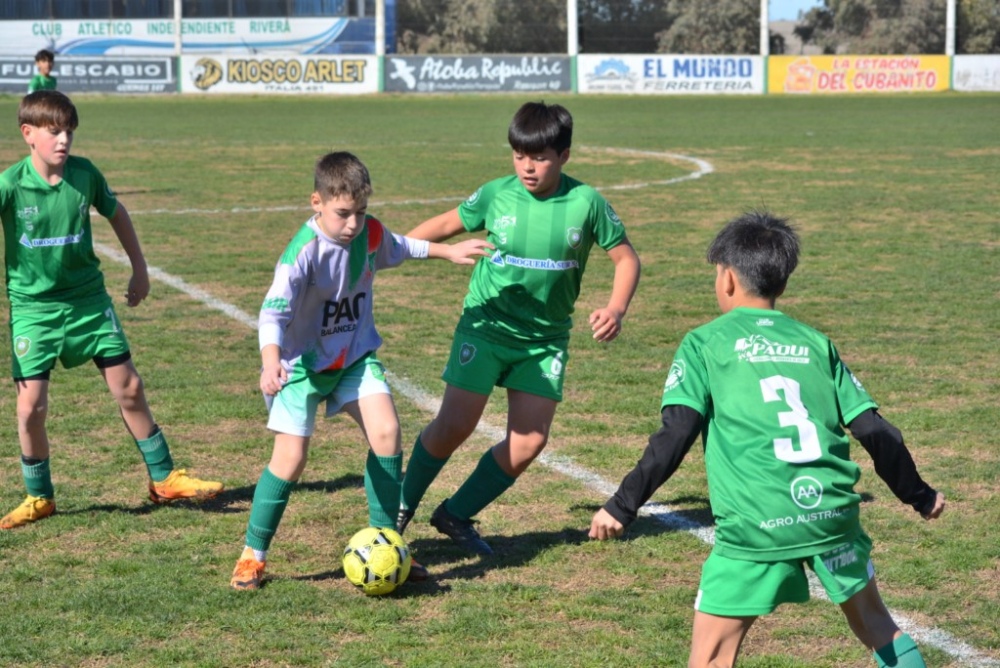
72 333
293 409
478 365
738 588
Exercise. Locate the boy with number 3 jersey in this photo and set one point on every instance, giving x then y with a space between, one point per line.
769 395
59 307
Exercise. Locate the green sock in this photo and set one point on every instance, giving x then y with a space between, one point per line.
900 653
156 454
269 501
481 488
420 473
383 478
37 477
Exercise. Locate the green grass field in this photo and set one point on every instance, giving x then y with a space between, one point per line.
896 200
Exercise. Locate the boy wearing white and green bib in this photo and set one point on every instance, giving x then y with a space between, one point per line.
769 396
514 329
318 345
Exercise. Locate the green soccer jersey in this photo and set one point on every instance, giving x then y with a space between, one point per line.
527 289
49 248
41 82
774 394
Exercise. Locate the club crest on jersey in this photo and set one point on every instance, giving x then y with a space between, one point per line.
27 215
466 353
500 225
854 379
678 370
574 236
807 492
611 213
758 348
474 197
22 345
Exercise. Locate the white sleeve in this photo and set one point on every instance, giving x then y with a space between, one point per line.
279 304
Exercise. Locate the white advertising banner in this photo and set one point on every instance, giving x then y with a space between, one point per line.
157 37
976 73
670 74
220 73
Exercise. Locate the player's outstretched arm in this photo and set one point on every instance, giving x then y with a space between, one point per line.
463 252
894 464
606 323
438 228
662 456
138 285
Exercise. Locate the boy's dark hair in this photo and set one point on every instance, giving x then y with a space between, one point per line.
537 126
48 109
761 248
341 173
45 55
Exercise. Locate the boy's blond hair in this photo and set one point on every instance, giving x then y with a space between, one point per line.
48 109
342 173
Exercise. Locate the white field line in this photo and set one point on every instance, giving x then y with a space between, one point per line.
662 513
703 168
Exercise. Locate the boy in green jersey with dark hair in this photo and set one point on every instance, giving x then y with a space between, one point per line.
44 61
514 329
769 396
59 307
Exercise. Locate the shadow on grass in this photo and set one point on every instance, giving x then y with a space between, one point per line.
245 493
229 501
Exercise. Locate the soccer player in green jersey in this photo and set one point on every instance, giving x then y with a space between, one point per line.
44 61
59 307
769 396
515 325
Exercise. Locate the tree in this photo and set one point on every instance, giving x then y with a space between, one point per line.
978 27
879 26
712 26
621 26
480 26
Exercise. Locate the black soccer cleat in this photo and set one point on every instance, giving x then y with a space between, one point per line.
403 520
459 530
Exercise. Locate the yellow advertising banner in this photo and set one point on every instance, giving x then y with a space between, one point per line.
857 74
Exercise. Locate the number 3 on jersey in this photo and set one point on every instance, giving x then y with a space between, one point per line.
784 448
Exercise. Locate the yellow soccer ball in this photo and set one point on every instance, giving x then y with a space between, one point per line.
377 560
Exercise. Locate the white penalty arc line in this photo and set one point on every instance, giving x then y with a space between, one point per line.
662 513
702 167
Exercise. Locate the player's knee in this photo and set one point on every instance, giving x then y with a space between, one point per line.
448 433
32 414
385 436
130 393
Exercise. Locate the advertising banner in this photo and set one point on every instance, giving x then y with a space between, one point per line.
476 74
157 37
857 74
976 73
219 73
94 75
670 75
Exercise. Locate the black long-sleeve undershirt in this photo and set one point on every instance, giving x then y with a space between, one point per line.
892 460
665 452
682 424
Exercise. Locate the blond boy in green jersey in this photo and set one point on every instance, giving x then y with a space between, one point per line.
59 307
769 396
515 325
